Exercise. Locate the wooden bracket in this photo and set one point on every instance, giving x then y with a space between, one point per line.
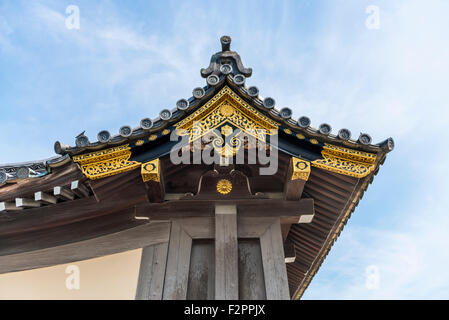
297 174
289 252
152 176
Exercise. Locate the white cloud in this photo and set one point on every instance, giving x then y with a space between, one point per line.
411 257
401 91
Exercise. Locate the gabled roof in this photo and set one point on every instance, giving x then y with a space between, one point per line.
225 68
343 167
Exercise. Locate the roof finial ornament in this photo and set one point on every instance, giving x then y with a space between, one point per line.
81 134
229 60
225 43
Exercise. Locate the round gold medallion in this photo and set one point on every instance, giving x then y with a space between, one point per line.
224 186
226 110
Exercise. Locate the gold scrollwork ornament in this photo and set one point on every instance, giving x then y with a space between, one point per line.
105 163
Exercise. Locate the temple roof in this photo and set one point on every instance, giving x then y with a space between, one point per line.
225 68
79 183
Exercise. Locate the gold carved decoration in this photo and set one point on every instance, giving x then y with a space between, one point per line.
224 186
228 115
346 161
108 162
301 169
226 130
226 110
349 154
150 171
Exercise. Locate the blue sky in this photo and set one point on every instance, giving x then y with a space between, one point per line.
129 60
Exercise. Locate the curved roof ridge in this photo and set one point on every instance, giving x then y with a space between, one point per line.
11 172
225 68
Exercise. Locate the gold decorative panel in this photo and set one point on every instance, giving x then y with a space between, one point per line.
108 162
349 154
301 169
150 171
346 161
228 115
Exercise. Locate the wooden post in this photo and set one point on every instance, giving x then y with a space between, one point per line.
226 253
182 234
276 282
178 263
152 272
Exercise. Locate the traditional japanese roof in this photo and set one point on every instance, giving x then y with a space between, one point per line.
13 172
225 68
89 172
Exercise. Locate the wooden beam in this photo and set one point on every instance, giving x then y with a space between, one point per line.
63 193
27 203
293 189
96 226
63 213
226 253
9 206
287 211
306 218
59 177
79 189
45 198
155 191
120 186
24 222
130 239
